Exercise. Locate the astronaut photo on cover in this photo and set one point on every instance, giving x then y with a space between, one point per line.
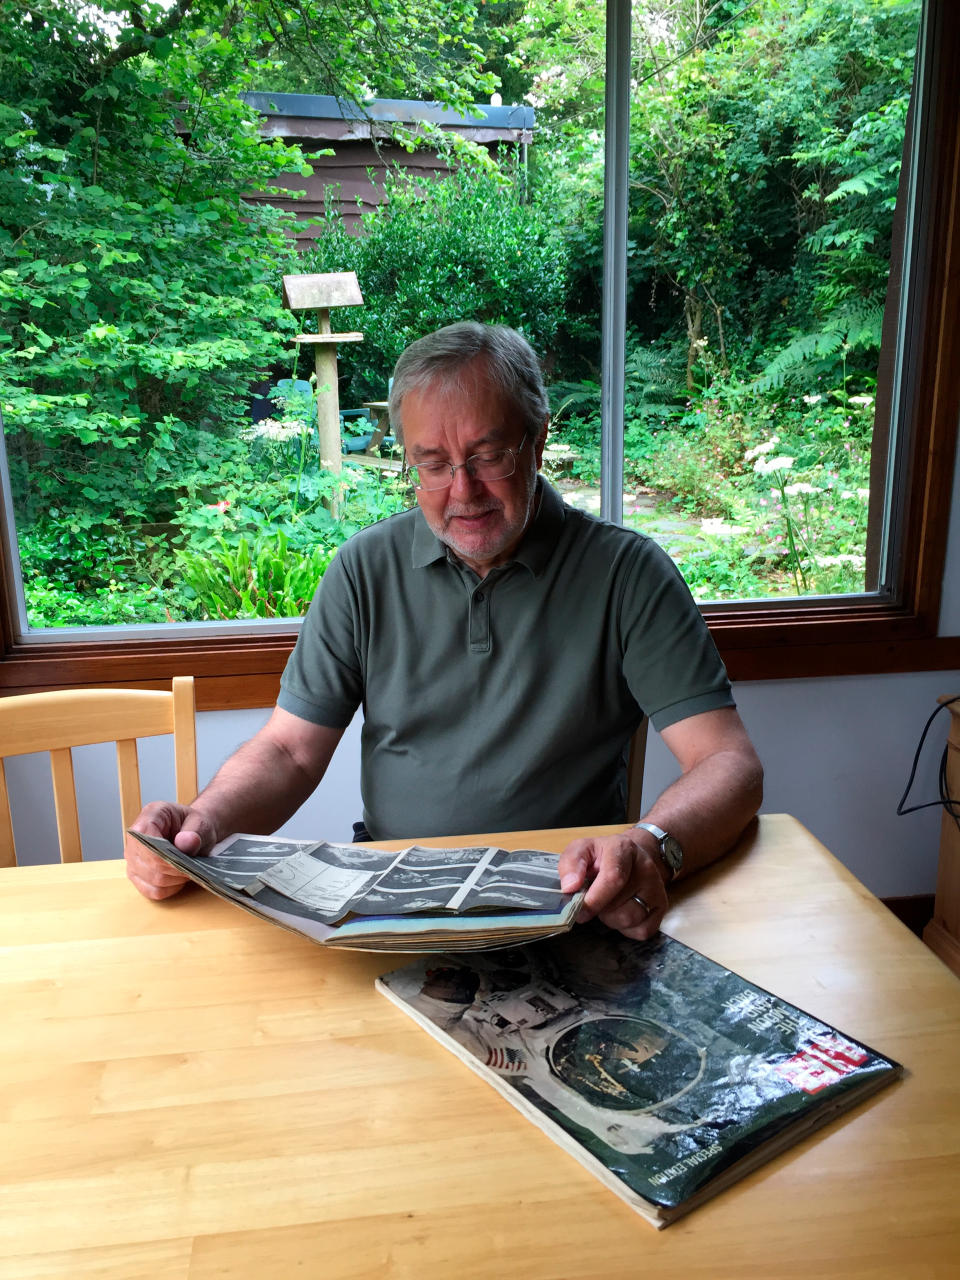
607 1069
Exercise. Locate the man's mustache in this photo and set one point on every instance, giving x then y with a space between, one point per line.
454 511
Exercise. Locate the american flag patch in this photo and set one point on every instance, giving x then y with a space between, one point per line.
505 1060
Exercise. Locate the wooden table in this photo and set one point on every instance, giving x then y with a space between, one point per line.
189 1092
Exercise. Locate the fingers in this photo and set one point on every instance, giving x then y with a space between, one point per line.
155 878
574 864
189 840
154 882
636 917
614 866
625 887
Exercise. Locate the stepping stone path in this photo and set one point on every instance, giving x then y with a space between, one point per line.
643 511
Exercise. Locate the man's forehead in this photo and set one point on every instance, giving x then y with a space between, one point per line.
435 416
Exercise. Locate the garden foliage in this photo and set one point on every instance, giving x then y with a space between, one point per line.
764 165
141 293
472 246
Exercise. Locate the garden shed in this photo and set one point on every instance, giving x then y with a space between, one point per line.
363 145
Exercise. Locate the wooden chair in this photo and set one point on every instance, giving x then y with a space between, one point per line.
635 760
55 722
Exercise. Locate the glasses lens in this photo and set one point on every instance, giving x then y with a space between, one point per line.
493 466
483 466
432 477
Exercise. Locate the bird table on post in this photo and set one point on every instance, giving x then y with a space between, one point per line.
319 293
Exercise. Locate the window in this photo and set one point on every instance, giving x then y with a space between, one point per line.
892 628
892 624
763 175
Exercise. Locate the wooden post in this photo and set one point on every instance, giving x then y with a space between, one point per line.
319 293
942 934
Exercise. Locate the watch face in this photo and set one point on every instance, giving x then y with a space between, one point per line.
672 853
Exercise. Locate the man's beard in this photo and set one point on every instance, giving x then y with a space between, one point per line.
484 545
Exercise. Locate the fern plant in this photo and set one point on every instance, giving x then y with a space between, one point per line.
849 328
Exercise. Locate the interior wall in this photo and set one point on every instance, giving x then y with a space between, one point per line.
837 755
330 812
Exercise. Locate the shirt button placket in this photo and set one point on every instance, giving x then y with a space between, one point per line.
480 621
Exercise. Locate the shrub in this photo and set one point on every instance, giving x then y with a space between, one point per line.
468 246
262 579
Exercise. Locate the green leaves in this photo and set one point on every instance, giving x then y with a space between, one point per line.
140 293
262 579
470 246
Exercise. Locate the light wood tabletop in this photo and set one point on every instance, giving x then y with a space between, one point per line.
188 1092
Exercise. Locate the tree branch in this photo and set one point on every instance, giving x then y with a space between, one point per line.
139 44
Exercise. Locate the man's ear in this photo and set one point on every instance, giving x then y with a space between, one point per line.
541 441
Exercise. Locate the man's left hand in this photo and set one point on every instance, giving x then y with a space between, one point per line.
625 882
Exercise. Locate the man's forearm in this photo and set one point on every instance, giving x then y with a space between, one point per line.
708 807
263 784
257 790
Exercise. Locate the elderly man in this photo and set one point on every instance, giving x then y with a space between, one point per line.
504 647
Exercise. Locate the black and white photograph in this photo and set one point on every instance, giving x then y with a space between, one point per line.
415 899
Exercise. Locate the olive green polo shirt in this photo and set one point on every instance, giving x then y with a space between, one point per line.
506 702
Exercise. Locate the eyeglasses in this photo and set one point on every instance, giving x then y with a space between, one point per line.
497 465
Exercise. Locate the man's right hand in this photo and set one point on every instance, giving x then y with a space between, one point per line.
258 789
187 828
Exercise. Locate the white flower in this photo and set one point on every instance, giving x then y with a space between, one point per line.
812 399
763 466
799 487
718 528
270 429
759 449
863 493
848 557
861 399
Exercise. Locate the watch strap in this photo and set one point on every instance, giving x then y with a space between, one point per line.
664 839
657 832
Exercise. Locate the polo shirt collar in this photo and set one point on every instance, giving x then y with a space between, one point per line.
534 551
427 547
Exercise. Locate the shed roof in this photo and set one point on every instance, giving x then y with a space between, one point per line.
315 115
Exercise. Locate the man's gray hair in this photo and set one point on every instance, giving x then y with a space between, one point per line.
441 358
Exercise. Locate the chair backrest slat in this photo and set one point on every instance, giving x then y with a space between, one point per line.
128 773
184 739
635 763
78 717
57 721
65 803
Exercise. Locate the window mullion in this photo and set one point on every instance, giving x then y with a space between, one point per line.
14 601
615 196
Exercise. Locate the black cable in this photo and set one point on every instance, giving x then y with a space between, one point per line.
946 801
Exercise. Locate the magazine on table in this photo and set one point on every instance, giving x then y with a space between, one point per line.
417 899
664 1074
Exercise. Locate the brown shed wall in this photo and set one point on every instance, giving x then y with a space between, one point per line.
352 180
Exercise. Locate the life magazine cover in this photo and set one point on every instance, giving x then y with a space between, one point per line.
665 1074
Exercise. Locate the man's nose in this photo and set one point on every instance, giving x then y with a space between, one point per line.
463 483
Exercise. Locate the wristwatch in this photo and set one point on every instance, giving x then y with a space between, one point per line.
671 853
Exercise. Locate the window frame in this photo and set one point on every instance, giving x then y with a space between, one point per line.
888 632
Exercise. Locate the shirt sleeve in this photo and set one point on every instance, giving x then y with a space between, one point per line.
323 679
671 663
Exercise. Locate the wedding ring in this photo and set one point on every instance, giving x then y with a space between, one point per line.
643 903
